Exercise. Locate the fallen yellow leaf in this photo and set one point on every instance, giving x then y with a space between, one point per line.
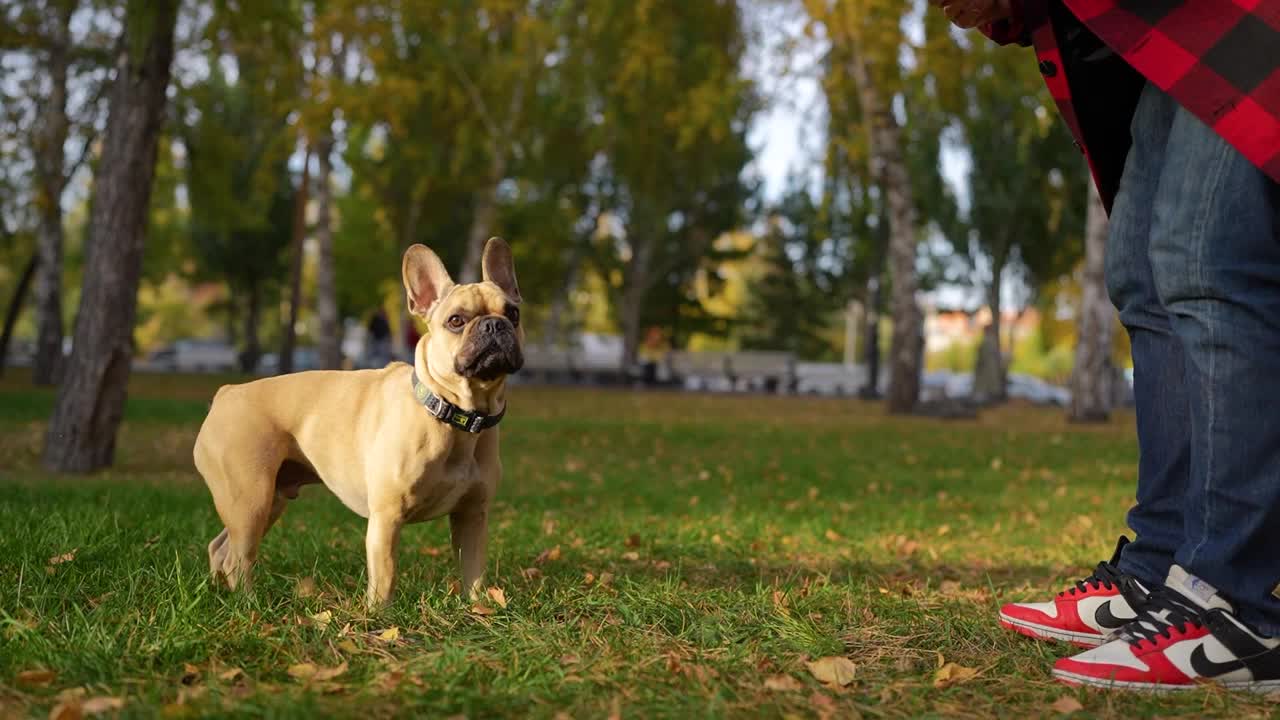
952 674
548 555
631 556
498 596
345 645
834 670
482 610
322 618
231 674
391 634
782 683
303 671
833 536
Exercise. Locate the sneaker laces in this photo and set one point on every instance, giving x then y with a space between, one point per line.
1105 576
1163 612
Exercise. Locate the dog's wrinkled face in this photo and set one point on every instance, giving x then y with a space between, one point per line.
474 335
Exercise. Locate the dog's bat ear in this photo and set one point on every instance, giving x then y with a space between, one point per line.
425 279
500 269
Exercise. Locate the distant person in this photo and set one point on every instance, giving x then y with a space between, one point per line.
378 345
1176 106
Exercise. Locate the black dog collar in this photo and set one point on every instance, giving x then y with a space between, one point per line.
450 414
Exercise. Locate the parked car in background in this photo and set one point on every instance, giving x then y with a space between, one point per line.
193 356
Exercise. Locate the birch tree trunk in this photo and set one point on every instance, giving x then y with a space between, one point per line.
889 167
50 171
290 336
1093 374
329 342
483 217
86 416
990 383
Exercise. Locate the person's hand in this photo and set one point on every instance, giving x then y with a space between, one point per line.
973 13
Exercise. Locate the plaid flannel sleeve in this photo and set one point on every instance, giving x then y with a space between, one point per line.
1010 31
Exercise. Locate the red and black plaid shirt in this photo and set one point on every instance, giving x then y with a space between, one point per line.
1220 59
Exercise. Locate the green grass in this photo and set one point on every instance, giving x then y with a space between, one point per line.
706 544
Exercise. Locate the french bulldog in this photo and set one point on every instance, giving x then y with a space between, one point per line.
403 444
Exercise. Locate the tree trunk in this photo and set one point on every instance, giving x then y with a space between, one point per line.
871 390
990 381
15 307
889 168
637 288
554 330
290 336
82 431
253 312
50 171
482 219
329 344
1092 376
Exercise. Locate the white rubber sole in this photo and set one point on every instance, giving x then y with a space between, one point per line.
1263 687
1049 633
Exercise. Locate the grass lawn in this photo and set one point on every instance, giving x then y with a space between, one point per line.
660 555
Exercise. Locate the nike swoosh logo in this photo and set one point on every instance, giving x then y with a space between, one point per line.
1105 619
1205 667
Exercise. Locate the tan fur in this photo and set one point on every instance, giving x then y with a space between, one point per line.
364 435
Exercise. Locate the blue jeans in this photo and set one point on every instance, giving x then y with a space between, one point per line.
1193 266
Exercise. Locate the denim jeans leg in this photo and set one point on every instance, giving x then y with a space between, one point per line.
1159 367
1215 255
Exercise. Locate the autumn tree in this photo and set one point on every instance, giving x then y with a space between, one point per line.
82 432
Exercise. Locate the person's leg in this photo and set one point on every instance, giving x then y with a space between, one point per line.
1159 365
1215 254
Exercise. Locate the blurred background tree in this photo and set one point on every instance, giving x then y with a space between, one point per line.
623 147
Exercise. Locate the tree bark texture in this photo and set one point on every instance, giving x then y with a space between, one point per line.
1093 375
82 432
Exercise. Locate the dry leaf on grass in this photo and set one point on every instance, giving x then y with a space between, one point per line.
391 634
952 674
833 536
531 573
65 557
34 678
322 618
833 670
309 671
823 705
190 674
1066 705
482 610
498 596
66 710
633 540
306 587
347 646
231 674
101 704
631 556
782 683
550 555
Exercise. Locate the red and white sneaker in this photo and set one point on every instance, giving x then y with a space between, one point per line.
1085 615
1185 634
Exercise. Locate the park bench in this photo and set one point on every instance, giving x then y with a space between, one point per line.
762 370
830 378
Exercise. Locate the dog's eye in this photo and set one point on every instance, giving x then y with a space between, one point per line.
455 323
513 314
